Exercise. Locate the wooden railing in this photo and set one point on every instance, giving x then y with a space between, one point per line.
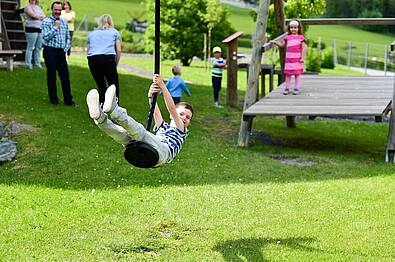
346 21
270 45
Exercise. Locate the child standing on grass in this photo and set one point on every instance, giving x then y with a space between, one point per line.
115 122
294 55
176 84
218 64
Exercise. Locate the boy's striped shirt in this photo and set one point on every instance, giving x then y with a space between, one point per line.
172 137
217 71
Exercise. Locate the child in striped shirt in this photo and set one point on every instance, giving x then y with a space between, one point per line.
115 122
218 64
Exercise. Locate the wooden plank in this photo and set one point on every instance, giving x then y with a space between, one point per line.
330 95
346 21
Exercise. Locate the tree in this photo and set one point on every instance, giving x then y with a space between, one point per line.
295 9
183 25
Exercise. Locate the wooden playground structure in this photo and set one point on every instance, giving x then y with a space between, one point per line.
12 34
320 95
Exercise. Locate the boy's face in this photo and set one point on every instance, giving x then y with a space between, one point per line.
184 114
217 55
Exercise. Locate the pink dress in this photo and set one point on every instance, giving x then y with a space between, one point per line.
293 54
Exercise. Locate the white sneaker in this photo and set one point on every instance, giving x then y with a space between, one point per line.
216 104
92 99
110 102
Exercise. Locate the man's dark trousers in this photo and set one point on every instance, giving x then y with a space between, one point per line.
55 61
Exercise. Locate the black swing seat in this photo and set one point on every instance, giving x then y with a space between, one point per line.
141 154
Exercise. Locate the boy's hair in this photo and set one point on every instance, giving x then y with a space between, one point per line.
176 69
299 25
186 105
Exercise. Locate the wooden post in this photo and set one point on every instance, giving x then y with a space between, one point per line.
280 24
391 131
334 52
366 58
254 68
349 54
231 90
385 59
290 120
205 53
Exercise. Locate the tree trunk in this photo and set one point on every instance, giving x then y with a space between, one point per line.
186 61
254 68
280 24
208 48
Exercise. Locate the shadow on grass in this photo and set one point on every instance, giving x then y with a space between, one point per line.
69 151
253 249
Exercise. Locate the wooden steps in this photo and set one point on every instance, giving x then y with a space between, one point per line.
12 29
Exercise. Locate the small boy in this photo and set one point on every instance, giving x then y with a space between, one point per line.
176 84
115 122
216 74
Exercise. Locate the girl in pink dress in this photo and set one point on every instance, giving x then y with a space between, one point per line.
295 49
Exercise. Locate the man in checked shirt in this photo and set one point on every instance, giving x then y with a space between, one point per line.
56 43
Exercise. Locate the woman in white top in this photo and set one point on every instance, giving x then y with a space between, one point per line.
69 16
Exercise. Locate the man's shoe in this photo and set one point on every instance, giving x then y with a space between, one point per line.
110 102
286 92
92 99
72 104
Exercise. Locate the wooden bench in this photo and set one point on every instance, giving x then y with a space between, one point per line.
9 56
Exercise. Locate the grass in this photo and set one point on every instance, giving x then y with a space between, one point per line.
345 34
241 20
122 11
69 195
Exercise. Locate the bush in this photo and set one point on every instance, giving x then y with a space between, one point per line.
313 61
131 42
126 35
244 42
327 59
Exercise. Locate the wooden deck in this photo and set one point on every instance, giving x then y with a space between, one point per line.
329 96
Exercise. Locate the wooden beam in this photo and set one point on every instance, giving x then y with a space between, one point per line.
281 29
269 45
254 69
231 90
346 21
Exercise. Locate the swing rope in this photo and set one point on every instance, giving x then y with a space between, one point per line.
138 153
156 63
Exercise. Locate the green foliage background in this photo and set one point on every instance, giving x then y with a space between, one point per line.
183 26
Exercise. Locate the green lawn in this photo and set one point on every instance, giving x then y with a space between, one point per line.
241 20
122 11
70 196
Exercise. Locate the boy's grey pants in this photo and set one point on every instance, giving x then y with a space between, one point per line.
129 129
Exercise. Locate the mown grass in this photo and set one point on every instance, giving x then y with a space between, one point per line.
69 195
122 11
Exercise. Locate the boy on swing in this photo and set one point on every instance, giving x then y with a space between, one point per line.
116 123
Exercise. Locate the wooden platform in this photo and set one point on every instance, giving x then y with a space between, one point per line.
329 96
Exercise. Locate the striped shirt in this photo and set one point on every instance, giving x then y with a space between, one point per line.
217 71
172 137
56 37
293 54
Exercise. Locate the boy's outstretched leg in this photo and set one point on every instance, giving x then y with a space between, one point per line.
120 116
95 112
111 101
115 131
